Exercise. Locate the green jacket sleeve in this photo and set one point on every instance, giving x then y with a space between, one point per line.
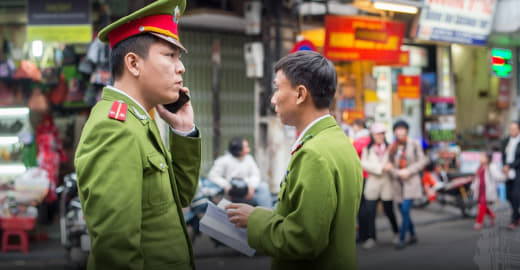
303 233
109 169
186 159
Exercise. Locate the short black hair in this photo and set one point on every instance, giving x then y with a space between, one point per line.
360 123
401 124
138 44
313 71
236 145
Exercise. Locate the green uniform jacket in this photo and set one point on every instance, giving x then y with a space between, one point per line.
313 225
132 189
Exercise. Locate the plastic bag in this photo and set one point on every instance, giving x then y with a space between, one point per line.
31 186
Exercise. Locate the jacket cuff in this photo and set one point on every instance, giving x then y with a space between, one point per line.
256 226
192 133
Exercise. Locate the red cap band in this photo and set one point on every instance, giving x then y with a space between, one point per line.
162 24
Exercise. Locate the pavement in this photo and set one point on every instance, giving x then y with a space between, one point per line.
50 255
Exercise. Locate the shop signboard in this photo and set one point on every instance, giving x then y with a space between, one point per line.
409 86
402 61
438 106
383 110
362 38
457 21
66 21
348 116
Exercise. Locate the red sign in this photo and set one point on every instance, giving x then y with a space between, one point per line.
409 87
359 38
348 116
402 61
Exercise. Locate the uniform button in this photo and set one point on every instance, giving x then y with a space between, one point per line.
162 165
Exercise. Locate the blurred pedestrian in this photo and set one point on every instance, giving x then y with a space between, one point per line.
313 225
511 161
360 136
378 185
360 140
484 190
238 164
407 160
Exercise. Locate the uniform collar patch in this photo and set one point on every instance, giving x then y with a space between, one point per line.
138 114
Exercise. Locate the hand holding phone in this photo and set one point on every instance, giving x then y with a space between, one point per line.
175 106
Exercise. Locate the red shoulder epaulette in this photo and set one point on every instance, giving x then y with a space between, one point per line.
118 111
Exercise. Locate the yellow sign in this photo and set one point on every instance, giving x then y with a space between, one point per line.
60 33
316 36
371 96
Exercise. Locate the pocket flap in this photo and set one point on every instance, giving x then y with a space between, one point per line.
158 162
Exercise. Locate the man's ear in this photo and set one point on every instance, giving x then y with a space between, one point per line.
133 64
303 94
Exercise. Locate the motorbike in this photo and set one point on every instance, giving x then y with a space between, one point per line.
454 190
73 229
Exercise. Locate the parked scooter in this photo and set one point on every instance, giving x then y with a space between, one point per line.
454 190
74 234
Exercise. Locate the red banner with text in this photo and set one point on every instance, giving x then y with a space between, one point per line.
360 38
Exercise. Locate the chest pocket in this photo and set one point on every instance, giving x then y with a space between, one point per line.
157 188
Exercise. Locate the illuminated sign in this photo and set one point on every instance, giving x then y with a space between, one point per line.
501 62
359 38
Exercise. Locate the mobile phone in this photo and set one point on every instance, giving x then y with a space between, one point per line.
175 106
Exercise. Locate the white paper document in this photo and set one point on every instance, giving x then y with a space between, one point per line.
215 223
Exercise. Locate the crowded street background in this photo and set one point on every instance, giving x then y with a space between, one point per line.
335 134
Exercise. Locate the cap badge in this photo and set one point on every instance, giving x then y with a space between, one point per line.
176 15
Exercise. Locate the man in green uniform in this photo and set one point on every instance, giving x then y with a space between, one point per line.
313 225
132 186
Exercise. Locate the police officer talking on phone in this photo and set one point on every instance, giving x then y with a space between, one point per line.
133 186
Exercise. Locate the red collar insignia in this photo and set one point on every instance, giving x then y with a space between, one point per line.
301 143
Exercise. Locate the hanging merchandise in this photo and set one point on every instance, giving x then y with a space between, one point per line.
75 90
50 152
7 69
28 70
99 55
51 76
6 95
58 94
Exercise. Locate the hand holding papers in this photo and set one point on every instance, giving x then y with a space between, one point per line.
215 223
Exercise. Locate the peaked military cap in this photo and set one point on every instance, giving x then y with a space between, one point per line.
159 18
